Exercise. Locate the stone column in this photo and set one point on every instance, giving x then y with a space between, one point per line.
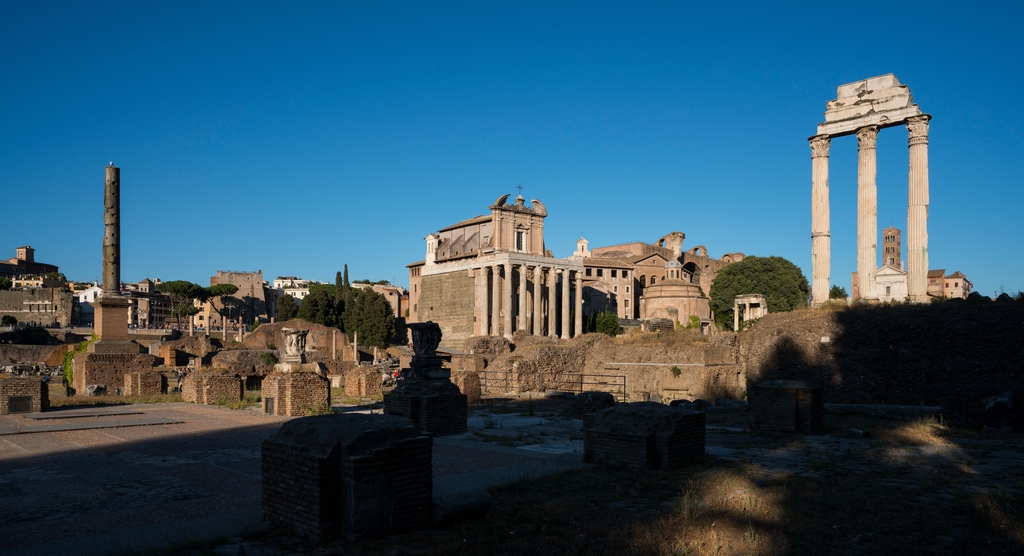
479 300
112 231
867 212
538 292
495 300
552 302
565 304
521 322
821 240
736 315
509 309
483 275
917 210
579 303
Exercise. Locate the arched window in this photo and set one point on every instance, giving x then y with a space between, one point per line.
643 281
653 279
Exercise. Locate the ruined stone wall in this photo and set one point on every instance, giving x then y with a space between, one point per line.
42 306
210 389
107 368
16 386
469 384
447 299
144 383
27 355
295 394
363 382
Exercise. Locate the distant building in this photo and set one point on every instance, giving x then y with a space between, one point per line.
255 301
891 278
397 296
293 286
24 263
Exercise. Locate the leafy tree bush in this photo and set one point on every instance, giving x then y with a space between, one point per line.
837 292
371 315
607 322
183 295
8 320
287 309
781 283
6 283
322 306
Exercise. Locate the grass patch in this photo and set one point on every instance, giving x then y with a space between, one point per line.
111 399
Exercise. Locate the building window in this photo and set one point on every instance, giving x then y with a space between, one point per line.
653 279
626 303
615 289
519 241
888 290
614 272
588 272
627 289
600 272
643 281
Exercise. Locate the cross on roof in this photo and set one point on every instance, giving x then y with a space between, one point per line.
520 187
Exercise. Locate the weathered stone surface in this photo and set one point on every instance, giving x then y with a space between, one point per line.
212 388
19 388
469 384
788 406
436 407
645 434
589 402
347 476
296 393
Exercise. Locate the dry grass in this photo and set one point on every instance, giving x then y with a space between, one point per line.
920 432
678 337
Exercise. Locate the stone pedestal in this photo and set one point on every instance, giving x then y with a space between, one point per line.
111 318
23 394
436 407
788 406
295 390
645 435
349 476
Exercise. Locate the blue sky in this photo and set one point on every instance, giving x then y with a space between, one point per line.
296 139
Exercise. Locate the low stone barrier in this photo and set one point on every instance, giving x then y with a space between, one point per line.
788 406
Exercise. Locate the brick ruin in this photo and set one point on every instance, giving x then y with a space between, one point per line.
363 382
211 388
426 395
469 384
343 477
23 394
144 383
295 394
788 406
645 435
108 369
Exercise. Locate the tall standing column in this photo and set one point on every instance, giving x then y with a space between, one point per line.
484 276
495 300
480 302
917 209
565 304
579 303
112 231
538 292
509 308
523 277
821 241
552 302
867 212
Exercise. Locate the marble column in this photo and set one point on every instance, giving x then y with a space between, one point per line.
579 303
480 301
552 302
917 209
821 240
565 304
867 212
538 294
509 308
521 322
112 231
495 300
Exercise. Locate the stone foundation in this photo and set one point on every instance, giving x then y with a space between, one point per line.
645 435
363 382
435 407
469 384
144 383
295 394
788 406
210 389
344 477
23 394
109 368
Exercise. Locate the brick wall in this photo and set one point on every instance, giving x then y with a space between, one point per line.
43 306
209 389
469 384
107 368
788 406
295 394
144 383
18 386
363 382
435 407
345 477
447 299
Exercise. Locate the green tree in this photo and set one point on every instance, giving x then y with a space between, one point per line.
6 283
837 292
339 286
183 296
287 309
219 291
321 306
345 282
781 283
607 322
8 320
371 315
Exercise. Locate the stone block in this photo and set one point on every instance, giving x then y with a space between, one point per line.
344 477
363 382
645 435
210 389
435 407
294 394
144 383
788 406
23 394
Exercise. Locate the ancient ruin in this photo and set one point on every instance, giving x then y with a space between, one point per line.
23 394
865 107
425 394
645 435
347 476
754 307
296 387
788 406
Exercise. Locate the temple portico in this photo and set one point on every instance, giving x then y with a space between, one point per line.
864 108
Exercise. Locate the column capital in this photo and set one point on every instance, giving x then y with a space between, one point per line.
917 129
867 137
820 145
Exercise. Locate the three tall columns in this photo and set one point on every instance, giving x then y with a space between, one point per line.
867 213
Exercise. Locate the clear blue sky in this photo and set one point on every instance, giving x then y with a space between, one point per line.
296 139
